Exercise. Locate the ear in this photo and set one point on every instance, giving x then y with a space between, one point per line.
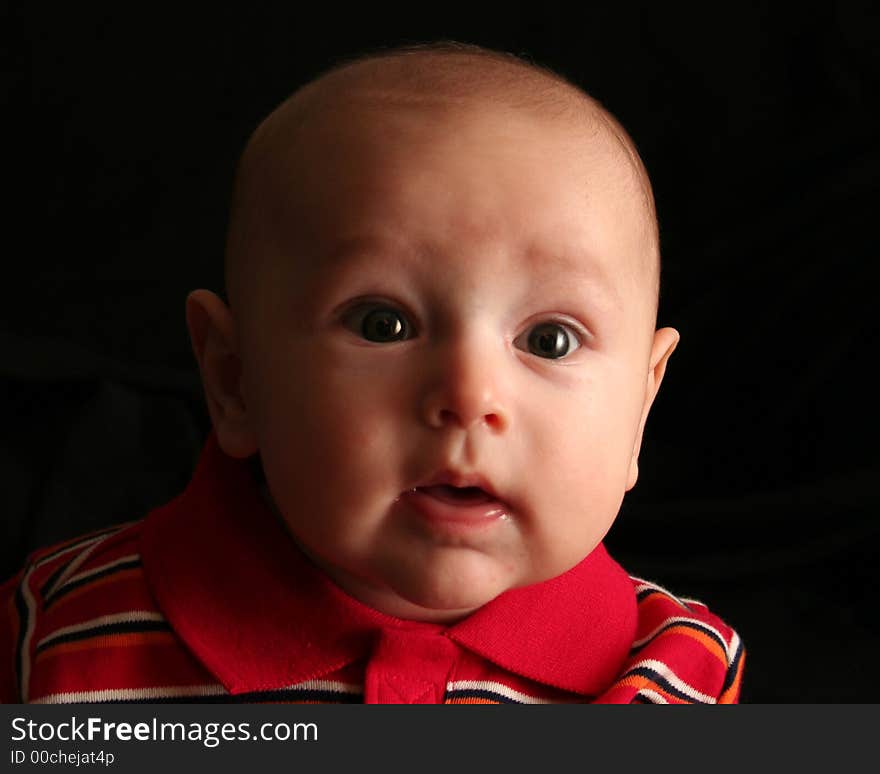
215 345
665 342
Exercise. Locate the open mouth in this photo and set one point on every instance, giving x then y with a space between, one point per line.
461 510
455 495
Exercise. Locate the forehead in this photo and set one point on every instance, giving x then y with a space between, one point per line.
475 160
374 170
476 167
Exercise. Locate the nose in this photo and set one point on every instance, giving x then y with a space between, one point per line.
465 386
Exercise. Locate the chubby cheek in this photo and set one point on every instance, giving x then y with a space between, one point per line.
579 458
327 439
354 416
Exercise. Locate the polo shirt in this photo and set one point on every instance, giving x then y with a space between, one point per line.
209 599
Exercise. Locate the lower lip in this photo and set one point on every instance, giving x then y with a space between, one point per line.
462 516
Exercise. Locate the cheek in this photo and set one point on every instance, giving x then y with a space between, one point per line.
358 406
330 417
330 446
592 421
580 480
582 447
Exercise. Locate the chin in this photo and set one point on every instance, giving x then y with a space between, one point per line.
449 596
455 605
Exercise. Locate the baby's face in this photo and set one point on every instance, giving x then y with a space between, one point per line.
460 299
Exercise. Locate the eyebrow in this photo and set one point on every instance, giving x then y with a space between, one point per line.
357 248
589 271
365 248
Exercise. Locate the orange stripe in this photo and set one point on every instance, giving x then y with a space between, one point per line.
126 640
640 681
708 642
731 695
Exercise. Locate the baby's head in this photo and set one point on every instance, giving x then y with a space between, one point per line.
442 274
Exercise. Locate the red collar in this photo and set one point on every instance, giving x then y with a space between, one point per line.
260 616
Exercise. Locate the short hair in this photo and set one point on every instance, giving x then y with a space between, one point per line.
456 71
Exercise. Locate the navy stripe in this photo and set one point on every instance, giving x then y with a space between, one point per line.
324 697
647 593
21 609
92 537
85 543
663 683
72 585
301 694
730 676
124 627
690 623
53 578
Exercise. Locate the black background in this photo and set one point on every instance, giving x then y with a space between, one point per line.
758 488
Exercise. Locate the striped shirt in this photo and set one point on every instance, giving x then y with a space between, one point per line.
208 600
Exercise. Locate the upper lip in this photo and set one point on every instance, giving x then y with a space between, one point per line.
450 477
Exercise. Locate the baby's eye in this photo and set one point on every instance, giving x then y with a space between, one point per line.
383 324
550 340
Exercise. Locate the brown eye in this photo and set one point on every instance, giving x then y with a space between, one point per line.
552 340
384 325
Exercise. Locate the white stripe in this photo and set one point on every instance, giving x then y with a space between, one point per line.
499 688
31 606
75 565
82 543
644 585
673 679
88 573
325 685
131 615
682 619
655 697
129 694
732 648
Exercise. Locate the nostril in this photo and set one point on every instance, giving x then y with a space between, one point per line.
450 416
494 421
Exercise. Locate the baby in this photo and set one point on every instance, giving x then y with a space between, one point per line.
428 392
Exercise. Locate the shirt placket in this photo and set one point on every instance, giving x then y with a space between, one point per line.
409 667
